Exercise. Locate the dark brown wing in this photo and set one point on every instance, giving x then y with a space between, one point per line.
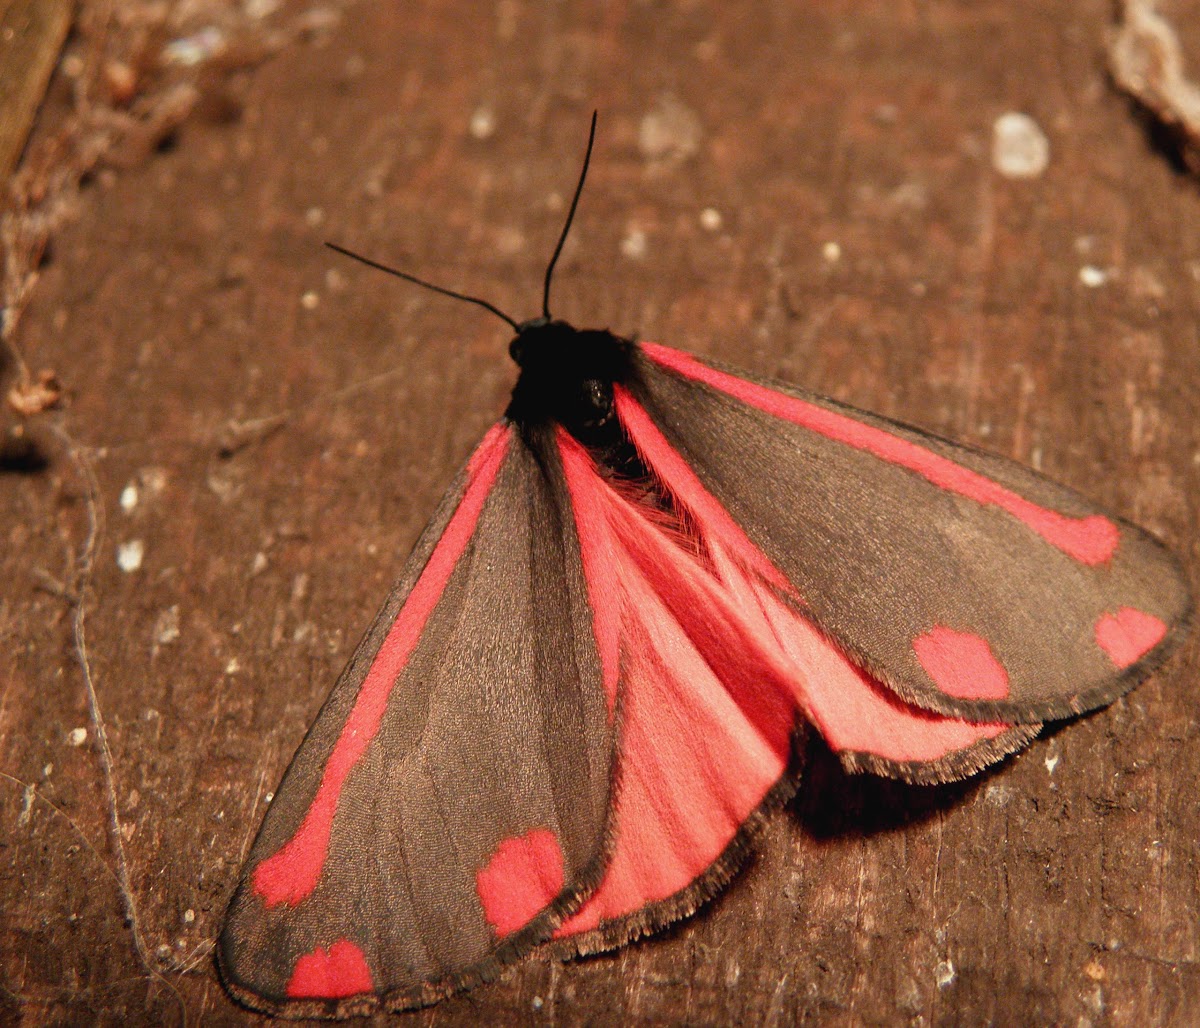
449 805
966 583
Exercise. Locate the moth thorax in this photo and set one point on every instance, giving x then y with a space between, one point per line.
567 376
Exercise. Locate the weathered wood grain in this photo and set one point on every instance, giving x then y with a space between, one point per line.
194 291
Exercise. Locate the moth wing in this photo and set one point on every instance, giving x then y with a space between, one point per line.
710 702
449 805
966 583
706 729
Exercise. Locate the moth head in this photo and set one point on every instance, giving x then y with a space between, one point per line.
567 375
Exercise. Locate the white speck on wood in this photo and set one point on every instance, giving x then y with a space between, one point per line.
998 795
166 627
483 123
670 132
1020 149
130 554
633 245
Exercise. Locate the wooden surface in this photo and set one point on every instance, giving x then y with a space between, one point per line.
288 421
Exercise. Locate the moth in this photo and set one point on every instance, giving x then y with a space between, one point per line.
584 694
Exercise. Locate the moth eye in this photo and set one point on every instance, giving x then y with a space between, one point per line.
598 394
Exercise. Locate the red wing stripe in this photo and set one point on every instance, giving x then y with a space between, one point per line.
291 874
681 481
1089 540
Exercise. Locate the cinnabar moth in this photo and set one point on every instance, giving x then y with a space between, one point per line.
653 571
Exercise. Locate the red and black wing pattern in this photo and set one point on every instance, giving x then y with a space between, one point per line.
717 674
578 704
967 584
450 803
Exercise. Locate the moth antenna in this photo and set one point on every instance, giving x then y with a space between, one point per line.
570 217
427 285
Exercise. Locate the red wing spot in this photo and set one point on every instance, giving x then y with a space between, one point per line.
1128 635
1090 540
962 664
523 877
331 974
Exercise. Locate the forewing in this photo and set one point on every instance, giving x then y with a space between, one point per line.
966 583
449 805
